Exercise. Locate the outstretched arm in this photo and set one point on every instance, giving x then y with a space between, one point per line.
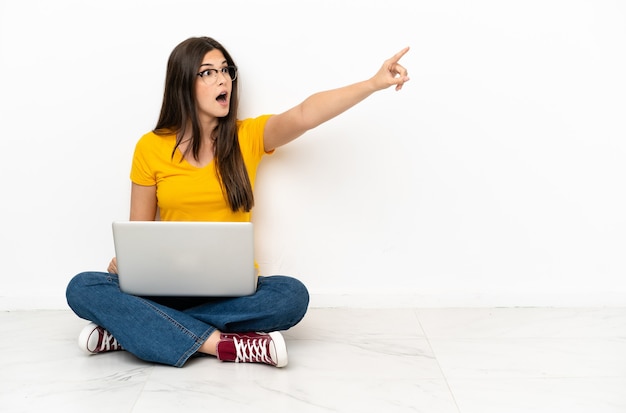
320 107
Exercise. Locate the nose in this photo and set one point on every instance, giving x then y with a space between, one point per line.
221 77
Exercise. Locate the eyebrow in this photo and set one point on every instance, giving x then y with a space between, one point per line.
211 64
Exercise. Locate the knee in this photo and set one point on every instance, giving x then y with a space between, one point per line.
300 294
295 297
302 299
81 287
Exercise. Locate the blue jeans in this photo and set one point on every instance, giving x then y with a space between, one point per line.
169 330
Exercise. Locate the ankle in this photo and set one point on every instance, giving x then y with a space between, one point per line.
210 345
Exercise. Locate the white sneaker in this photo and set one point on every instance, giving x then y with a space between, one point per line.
94 339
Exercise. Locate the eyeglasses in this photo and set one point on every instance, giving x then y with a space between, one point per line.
209 76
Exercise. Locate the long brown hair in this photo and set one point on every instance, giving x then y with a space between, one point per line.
179 108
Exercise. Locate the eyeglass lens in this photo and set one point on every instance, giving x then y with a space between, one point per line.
210 76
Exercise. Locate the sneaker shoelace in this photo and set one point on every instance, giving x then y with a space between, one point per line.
252 350
108 342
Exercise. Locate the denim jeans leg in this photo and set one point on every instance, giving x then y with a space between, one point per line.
150 331
279 303
158 333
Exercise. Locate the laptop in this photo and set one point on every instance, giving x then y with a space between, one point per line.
165 258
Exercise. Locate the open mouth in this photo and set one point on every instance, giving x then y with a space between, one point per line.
222 97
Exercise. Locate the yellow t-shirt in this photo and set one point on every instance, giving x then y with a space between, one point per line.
185 192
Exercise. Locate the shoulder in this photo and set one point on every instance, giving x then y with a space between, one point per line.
152 138
152 142
251 133
252 126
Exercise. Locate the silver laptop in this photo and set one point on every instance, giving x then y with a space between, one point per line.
165 258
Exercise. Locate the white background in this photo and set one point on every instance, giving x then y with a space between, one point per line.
495 177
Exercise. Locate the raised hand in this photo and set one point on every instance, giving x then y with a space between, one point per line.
392 73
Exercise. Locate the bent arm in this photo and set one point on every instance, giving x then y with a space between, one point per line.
143 207
323 106
143 203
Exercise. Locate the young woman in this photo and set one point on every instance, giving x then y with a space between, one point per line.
199 164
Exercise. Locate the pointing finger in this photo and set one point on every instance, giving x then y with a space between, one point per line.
396 58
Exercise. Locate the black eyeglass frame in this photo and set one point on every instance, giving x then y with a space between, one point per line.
230 71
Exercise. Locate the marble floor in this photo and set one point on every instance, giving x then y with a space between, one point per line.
500 360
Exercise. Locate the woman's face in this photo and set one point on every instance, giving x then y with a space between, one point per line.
213 88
